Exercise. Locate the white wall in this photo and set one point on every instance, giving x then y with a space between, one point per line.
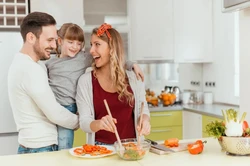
221 71
244 26
8 144
188 73
222 68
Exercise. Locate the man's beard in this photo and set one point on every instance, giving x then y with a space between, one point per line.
37 49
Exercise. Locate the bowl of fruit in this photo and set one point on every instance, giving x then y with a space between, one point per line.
151 98
233 133
167 98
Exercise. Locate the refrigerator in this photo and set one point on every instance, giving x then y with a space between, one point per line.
10 43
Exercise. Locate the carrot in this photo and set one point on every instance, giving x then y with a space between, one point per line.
92 150
172 142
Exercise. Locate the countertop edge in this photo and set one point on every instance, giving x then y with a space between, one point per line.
203 113
213 110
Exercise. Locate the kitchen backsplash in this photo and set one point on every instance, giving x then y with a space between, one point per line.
157 76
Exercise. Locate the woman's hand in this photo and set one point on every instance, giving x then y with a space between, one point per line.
145 127
107 123
138 72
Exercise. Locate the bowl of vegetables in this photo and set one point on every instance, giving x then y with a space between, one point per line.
217 130
236 145
131 150
233 133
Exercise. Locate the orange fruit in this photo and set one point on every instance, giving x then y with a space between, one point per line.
148 98
166 102
165 96
172 98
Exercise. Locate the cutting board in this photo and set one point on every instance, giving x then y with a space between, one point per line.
181 147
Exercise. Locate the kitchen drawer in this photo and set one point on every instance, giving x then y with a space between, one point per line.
79 138
208 119
162 133
166 118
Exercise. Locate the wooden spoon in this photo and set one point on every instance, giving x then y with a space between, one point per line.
140 123
122 149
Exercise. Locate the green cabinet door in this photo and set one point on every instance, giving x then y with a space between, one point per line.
79 138
206 120
165 125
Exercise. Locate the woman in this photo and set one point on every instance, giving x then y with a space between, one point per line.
110 80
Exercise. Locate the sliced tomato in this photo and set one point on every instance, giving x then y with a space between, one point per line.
245 125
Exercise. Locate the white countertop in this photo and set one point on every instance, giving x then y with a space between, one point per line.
205 109
209 109
168 108
212 155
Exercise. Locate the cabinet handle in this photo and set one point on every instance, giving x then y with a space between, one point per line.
161 115
193 60
150 57
159 131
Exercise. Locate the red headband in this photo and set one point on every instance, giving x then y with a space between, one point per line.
104 28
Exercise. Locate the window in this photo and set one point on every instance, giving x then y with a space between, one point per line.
236 57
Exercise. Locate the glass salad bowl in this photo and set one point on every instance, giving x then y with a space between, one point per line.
131 150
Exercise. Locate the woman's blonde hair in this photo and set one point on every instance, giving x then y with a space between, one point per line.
117 64
70 31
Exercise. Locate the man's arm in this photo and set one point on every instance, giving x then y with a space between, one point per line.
37 86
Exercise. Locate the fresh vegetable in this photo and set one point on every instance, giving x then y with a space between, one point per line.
197 147
245 125
233 122
216 129
92 150
132 151
172 142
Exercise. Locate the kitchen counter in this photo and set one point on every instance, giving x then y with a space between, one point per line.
168 108
212 155
205 109
209 109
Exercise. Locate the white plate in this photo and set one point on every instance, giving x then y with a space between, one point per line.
71 151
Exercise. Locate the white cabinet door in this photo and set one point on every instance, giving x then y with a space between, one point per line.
193 31
62 11
192 125
151 29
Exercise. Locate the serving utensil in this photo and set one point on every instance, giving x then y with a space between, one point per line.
140 123
122 149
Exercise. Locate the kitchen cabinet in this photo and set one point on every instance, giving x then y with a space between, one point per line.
151 24
12 12
205 120
165 124
193 32
79 138
62 11
114 12
192 125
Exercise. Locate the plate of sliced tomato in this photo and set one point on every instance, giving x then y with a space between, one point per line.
92 151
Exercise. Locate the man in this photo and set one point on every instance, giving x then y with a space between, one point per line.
33 103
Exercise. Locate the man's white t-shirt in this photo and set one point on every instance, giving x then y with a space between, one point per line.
34 105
